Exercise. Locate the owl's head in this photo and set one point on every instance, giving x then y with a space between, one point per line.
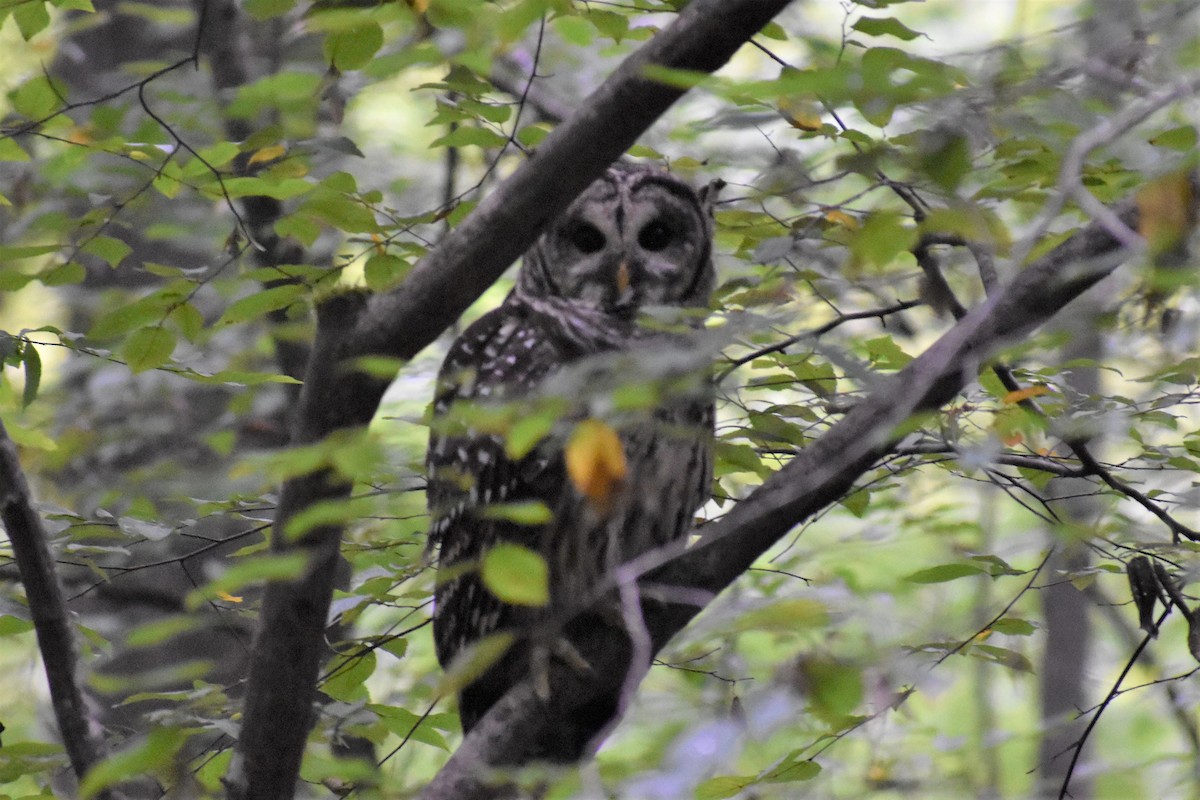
636 237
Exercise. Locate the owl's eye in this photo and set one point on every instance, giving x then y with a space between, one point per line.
655 236
586 238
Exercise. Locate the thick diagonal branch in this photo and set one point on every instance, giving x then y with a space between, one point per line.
820 474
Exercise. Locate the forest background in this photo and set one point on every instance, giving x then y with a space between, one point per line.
947 612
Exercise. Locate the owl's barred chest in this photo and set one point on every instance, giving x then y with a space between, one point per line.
507 358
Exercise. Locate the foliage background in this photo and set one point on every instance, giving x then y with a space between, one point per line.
159 420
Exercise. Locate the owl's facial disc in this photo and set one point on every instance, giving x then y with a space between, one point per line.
635 238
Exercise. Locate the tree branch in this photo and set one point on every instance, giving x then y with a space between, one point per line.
48 608
292 623
819 475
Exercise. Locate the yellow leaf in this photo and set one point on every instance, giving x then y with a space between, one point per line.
1166 210
227 597
268 153
801 113
841 218
78 135
1012 398
595 461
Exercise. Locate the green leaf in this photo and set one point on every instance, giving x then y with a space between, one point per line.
885 26
148 348
214 156
269 567
13 626
326 512
266 9
353 48
347 673
724 786
516 575
525 512
1182 139
1013 626
75 5
574 30
112 251
156 752
530 429
63 274
513 21
344 212
739 458
28 251
11 151
151 633
773 30
882 238
794 768
151 309
407 725
885 354
33 374
469 135
284 189
785 616
856 502
32 17
473 661
383 271
834 688
1002 656
609 23
262 302
165 14
189 319
241 378
12 280
532 135
38 97
944 573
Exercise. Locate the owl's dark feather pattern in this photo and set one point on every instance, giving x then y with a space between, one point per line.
577 297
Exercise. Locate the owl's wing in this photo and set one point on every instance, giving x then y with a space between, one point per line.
501 356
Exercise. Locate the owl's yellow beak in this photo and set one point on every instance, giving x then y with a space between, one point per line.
622 278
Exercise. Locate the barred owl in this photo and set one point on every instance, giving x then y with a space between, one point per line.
636 238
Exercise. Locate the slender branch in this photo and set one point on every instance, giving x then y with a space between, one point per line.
1091 466
1112 695
816 333
1040 463
1094 467
48 608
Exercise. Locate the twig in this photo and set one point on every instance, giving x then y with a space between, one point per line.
815 333
1112 694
